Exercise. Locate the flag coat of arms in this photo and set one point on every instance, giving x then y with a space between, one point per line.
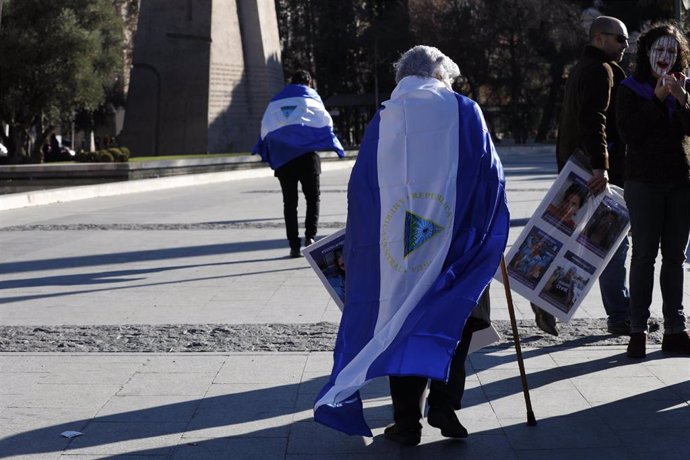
426 227
294 123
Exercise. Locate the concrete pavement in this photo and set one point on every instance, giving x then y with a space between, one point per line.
215 253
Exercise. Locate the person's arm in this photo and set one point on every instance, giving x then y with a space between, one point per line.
596 97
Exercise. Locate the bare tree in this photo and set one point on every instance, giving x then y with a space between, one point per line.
511 54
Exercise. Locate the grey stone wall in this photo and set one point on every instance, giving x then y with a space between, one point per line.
202 74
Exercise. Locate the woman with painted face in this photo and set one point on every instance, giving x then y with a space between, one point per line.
653 118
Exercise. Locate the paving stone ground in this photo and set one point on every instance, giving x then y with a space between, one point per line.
170 324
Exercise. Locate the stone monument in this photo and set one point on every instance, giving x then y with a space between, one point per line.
202 74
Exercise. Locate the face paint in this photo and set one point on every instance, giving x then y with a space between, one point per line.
662 54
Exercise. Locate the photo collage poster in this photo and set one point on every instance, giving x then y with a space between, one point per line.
567 243
326 258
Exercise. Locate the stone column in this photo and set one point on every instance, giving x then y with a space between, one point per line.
202 74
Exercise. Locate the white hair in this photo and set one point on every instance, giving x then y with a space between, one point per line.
426 61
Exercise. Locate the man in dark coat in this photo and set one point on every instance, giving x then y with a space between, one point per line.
588 126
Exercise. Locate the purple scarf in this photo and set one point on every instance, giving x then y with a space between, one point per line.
646 91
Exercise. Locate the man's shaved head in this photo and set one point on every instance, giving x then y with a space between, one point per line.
605 24
610 36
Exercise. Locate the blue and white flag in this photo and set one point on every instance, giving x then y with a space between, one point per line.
295 122
427 224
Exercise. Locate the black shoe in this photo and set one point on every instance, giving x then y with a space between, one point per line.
653 326
409 436
619 328
446 420
545 321
676 343
308 241
637 347
294 253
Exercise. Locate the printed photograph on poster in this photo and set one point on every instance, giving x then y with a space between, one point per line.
533 257
568 282
326 258
563 212
605 226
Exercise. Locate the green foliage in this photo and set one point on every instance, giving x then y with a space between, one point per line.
86 157
57 57
119 154
104 156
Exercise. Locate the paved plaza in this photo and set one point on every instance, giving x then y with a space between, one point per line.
211 250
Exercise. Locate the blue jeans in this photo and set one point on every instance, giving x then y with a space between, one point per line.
660 217
613 283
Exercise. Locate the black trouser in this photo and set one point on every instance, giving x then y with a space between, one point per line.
659 217
310 188
407 392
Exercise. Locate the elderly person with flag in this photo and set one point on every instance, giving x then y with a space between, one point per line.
427 224
295 126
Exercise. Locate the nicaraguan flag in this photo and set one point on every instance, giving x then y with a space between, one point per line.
427 224
295 122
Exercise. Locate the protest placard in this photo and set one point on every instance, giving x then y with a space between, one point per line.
326 258
567 243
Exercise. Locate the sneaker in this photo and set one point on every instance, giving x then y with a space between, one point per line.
294 253
676 343
545 321
308 241
637 347
619 328
409 436
446 420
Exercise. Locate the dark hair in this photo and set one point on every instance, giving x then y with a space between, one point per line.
301 77
577 190
643 70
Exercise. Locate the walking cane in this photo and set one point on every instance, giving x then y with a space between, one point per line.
531 421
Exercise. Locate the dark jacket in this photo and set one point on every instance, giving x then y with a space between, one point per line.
588 117
657 137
